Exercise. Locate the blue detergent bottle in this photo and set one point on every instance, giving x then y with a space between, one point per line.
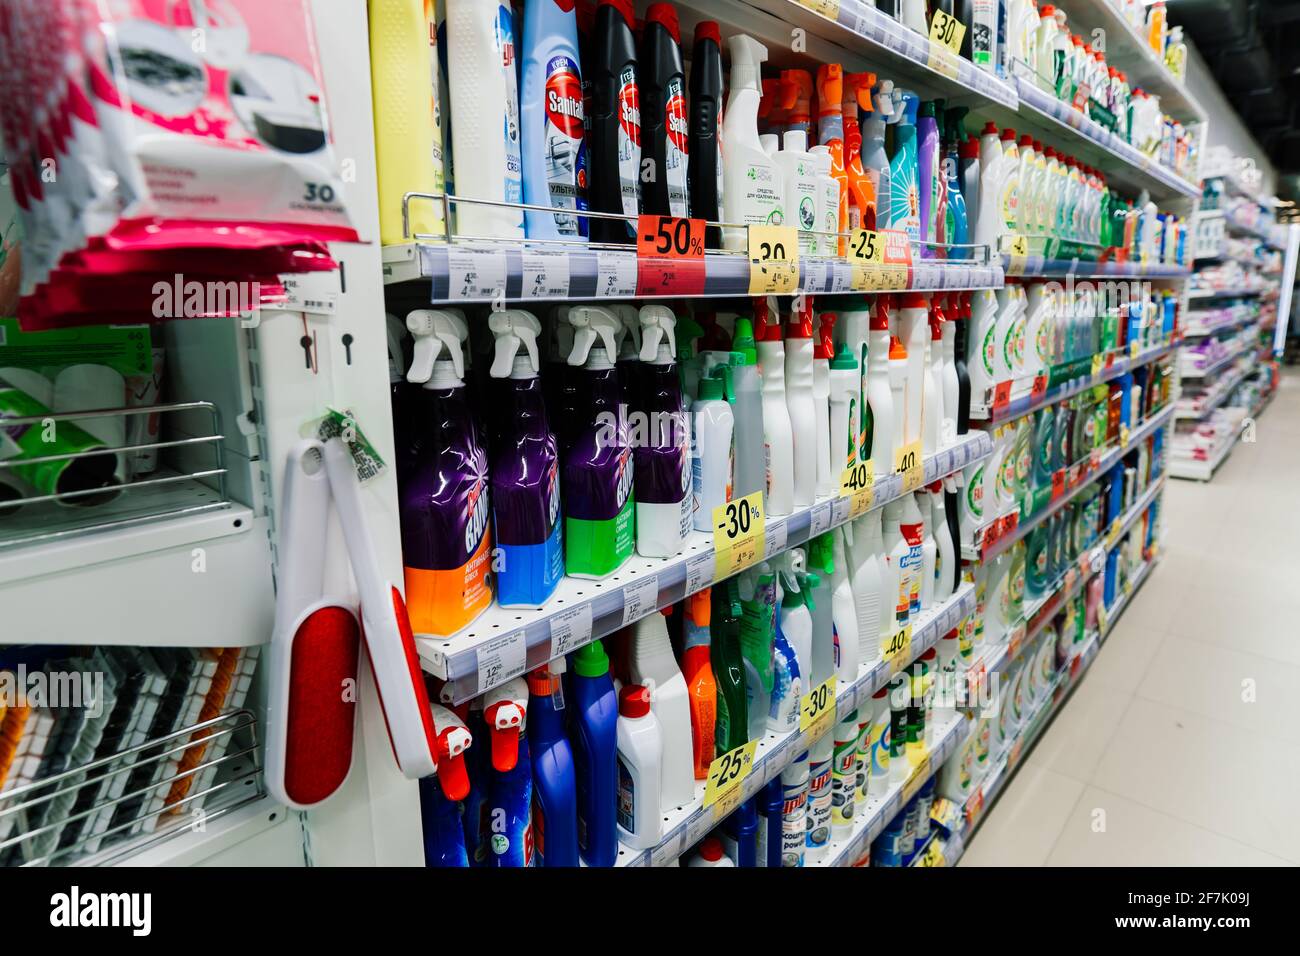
595 744
474 806
771 805
444 838
740 833
555 802
509 811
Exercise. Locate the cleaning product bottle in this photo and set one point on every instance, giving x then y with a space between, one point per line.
957 220
844 775
778 439
704 156
879 778
788 683
800 403
731 729
799 178
861 186
406 75
937 424
794 616
827 475
701 690
990 222
614 123
740 835
798 88
554 139
969 175
640 769
484 87
555 801
750 431
599 519
1009 202
509 807
981 43
794 811
652 664
943 314
852 334
914 331
983 359
844 611
875 162
898 370
830 133
961 348
663 467
866 553
897 575
817 596
752 187
446 541
665 137
712 425
594 722
944 581
929 550
440 820
771 805
844 394
757 591
904 210
927 174
820 799
828 203
879 393
525 471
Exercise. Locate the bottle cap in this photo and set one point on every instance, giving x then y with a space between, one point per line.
665 14
624 7
1008 134
743 341
708 30
914 300
591 660
543 682
711 849
633 701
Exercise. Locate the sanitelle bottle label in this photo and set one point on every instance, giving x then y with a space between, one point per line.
629 141
514 171
566 150
676 152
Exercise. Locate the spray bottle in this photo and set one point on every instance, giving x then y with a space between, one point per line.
827 473
555 806
927 173
875 161
830 133
704 157
798 85
663 467
753 192
957 221
844 611
861 187
446 542
509 803
732 727
750 445
701 688
663 110
904 210
778 439
800 402
880 397
652 665
614 131
599 518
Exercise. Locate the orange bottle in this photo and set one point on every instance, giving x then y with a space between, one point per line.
797 85
830 133
861 190
701 689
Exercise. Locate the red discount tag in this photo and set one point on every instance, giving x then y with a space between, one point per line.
1001 396
1039 389
669 256
1058 483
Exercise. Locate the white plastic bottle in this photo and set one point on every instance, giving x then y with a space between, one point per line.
1028 198
844 776
936 423
897 581
752 190
712 424
947 548
828 203
799 401
845 612
981 364
484 85
993 175
865 543
929 549
951 385
1004 357
879 393
828 475
796 625
844 395
1037 329
640 757
801 187
914 331
710 853
778 438
652 665
878 776
912 530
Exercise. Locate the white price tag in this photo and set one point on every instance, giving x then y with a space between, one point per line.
476 274
501 659
699 572
546 275
774 543
615 275
820 519
314 292
1098 560
840 510
570 629
666 853
640 599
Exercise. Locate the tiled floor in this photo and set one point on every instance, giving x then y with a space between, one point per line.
1181 746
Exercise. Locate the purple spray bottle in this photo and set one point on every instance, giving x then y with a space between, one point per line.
661 439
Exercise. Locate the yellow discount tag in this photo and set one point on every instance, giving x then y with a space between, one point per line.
773 260
1135 348
866 254
727 775
897 649
948 30
739 530
1124 435
857 483
817 710
908 463
827 8
920 774
933 856
1098 361
1018 249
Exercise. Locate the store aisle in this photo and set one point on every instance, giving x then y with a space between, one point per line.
1181 746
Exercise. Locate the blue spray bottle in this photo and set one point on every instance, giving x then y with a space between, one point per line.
904 199
444 836
508 811
958 222
594 733
555 802
740 833
875 161
771 807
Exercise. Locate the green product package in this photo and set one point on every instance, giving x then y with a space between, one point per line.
758 615
124 348
43 441
597 548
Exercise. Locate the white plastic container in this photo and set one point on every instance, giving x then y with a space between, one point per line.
844 776
844 612
806 446
752 189
777 432
710 853
936 423
639 757
879 392
828 203
712 424
653 665
914 331
866 551
799 179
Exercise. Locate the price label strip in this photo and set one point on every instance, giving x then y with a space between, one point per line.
866 254
501 659
898 260
857 483
897 650
946 33
739 531
725 784
826 8
669 256
817 710
640 599
773 260
908 463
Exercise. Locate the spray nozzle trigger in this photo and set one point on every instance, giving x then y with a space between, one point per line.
591 322
505 711
657 322
453 739
860 84
512 328
434 330
629 337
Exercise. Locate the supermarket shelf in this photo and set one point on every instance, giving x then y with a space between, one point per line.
1023 402
1222 293
1180 467
875 814
1067 679
465 272
1033 266
1225 388
1087 471
1127 49
502 643
1214 368
685 826
1203 331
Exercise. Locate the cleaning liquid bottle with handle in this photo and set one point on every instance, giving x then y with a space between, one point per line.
750 441
555 801
704 155
942 313
752 192
845 393
830 133
844 611
640 769
651 664
446 539
554 139
960 350
875 161
701 689
864 541
937 424
664 132
897 580
799 401
879 391
484 86
861 187
663 467
593 732
599 517
614 130
944 581
992 175
712 425
904 211
778 438
732 727
799 178
525 471
914 331
827 474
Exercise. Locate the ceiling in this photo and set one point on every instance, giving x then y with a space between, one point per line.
1253 49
